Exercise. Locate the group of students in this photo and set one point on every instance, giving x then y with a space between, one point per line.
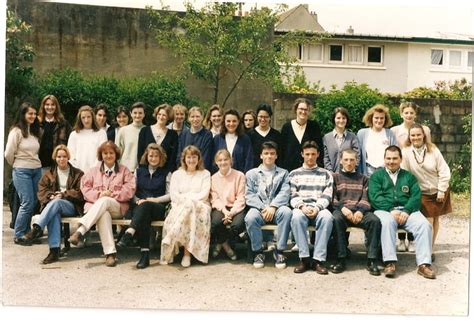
163 171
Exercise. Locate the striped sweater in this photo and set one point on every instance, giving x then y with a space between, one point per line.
350 191
311 187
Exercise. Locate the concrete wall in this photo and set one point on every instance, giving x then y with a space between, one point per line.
447 134
112 41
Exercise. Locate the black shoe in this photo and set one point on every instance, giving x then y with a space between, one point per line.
52 257
125 241
373 268
34 234
144 261
22 241
339 267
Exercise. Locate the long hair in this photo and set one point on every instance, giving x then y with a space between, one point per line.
429 144
379 108
58 115
240 128
207 120
20 122
191 150
154 147
78 126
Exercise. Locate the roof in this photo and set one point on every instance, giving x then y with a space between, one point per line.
298 18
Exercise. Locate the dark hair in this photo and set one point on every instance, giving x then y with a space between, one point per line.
102 107
137 105
302 100
393 148
20 122
58 115
240 129
344 112
154 147
265 107
270 145
310 145
113 146
121 109
249 112
79 126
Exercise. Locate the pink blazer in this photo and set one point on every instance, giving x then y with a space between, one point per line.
121 183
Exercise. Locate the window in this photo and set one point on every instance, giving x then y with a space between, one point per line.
335 53
354 54
294 51
455 58
374 55
437 57
315 52
470 58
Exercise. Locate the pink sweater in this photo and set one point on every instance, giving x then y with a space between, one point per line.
228 191
121 183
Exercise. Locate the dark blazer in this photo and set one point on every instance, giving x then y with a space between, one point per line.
202 140
291 148
59 135
257 141
169 143
242 155
49 183
332 151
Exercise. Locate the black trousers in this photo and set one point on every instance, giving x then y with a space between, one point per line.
219 231
142 217
371 225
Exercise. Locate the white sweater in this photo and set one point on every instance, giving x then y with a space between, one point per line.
83 147
127 141
22 152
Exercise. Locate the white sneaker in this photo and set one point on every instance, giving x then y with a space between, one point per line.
411 246
401 246
186 261
295 248
271 246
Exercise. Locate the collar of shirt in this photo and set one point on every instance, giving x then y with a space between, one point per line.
335 134
109 171
226 174
309 168
393 175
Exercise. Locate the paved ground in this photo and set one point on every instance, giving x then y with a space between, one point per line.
82 280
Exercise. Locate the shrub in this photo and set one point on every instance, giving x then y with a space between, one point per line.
73 90
461 166
357 99
457 90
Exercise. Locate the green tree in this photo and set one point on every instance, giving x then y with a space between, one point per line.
19 56
213 43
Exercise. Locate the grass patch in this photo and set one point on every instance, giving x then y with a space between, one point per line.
461 203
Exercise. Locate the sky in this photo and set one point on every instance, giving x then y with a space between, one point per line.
402 17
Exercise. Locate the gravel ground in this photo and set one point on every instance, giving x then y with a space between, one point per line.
82 280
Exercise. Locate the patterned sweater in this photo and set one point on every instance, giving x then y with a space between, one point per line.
350 191
311 187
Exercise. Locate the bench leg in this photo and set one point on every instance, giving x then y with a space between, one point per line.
67 234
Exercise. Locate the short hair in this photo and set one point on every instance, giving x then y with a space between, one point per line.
78 126
58 115
207 119
405 105
429 145
154 147
107 145
348 151
393 148
342 111
195 109
138 105
181 108
160 107
302 100
240 128
61 147
310 145
265 107
225 152
269 145
378 108
191 150
121 109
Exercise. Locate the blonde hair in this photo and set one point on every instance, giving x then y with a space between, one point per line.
58 148
180 108
378 108
154 147
225 152
207 120
405 105
191 150
428 143
79 126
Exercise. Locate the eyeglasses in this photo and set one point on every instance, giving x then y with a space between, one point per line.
263 117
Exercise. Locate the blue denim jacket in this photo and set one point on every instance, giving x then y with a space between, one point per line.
256 195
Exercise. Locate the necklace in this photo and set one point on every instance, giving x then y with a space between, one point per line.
419 154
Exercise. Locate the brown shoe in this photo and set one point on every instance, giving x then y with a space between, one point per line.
76 238
110 260
303 266
426 271
320 268
52 257
389 270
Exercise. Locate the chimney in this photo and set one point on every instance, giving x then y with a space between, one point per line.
350 30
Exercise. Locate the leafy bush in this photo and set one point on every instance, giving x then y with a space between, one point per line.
74 90
461 166
458 90
357 99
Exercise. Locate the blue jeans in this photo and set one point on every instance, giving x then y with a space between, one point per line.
51 217
417 224
26 185
254 221
323 224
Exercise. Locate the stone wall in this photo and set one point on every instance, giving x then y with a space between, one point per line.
112 41
444 118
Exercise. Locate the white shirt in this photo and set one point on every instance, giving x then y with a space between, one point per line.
62 176
298 129
375 147
393 175
230 141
